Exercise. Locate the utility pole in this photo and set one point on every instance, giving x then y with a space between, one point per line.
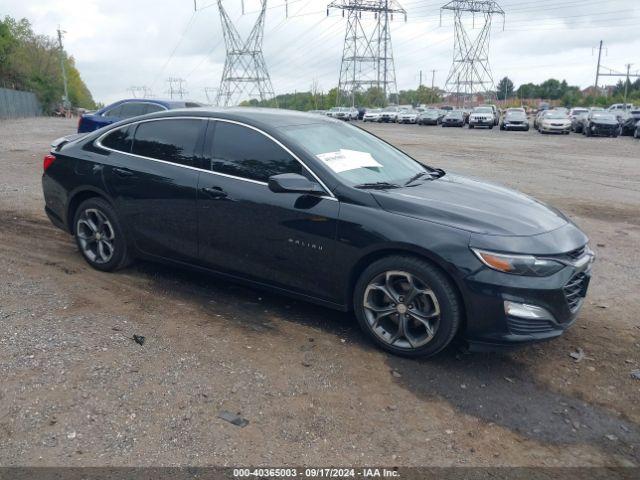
626 85
470 73
598 69
420 83
433 79
367 57
245 72
65 99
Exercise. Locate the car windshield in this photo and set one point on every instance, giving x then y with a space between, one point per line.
356 156
455 114
483 110
391 109
375 110
604 116
556 116
516 114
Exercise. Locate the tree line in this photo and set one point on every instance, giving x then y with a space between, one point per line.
565 94
31 62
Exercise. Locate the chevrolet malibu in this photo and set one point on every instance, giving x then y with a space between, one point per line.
323 211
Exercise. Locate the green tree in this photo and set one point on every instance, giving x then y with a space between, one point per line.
32 62
505 88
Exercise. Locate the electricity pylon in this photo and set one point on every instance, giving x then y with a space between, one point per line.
176 90
245 73
367 57
470 72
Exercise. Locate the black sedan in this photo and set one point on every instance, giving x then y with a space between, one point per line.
454 118
603 124
323 211
431 117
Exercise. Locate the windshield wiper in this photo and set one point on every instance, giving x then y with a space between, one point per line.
377 185
416 177
436 173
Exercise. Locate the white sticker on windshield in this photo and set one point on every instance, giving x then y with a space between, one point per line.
344 160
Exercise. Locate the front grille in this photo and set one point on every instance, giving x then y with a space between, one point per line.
520 326
574 290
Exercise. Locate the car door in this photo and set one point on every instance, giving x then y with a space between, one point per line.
284 239
154 186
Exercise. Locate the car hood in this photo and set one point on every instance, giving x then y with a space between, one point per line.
472 205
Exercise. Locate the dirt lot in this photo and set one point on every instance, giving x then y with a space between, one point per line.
76 390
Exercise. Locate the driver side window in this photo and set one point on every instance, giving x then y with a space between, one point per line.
243 152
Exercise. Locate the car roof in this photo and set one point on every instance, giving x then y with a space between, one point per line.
265 118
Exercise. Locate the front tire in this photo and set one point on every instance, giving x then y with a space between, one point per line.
407 306
100 237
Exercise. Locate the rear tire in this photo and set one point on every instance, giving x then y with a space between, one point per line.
100 237
407 306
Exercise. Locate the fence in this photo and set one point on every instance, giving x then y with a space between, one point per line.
15 104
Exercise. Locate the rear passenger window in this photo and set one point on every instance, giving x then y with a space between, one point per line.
120 139
152 108
170 140
114 112
133 109
244 152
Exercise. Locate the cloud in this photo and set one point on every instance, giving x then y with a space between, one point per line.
121 43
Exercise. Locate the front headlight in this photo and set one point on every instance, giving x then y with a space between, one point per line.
527 265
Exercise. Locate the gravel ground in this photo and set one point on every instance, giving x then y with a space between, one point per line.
77 390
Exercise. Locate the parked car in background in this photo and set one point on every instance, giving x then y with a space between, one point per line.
603 124
620 107
133 107
515 119
372 115
577 121
318 112
577 111
421 256
539 116
455 118
496 113
346 113
408 116
482 117
361 112
332 111
555 122
628 120
636 133
431 116
389 114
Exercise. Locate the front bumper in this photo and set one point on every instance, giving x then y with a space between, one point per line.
554 128
481 123
516 126
604 130
510 310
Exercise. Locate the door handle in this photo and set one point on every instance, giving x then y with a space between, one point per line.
214 192
123 172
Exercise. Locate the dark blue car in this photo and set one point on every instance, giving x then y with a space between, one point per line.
124 109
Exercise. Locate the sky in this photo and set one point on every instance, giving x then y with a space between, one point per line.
118 44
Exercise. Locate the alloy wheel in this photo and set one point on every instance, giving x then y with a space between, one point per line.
401 310
96 236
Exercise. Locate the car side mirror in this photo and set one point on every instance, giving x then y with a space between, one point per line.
293 183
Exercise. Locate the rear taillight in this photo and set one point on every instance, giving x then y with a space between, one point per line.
48 161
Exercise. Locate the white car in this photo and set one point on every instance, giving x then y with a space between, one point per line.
389 114
331 113
408 116
346 113
372 115
482 117
555 122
